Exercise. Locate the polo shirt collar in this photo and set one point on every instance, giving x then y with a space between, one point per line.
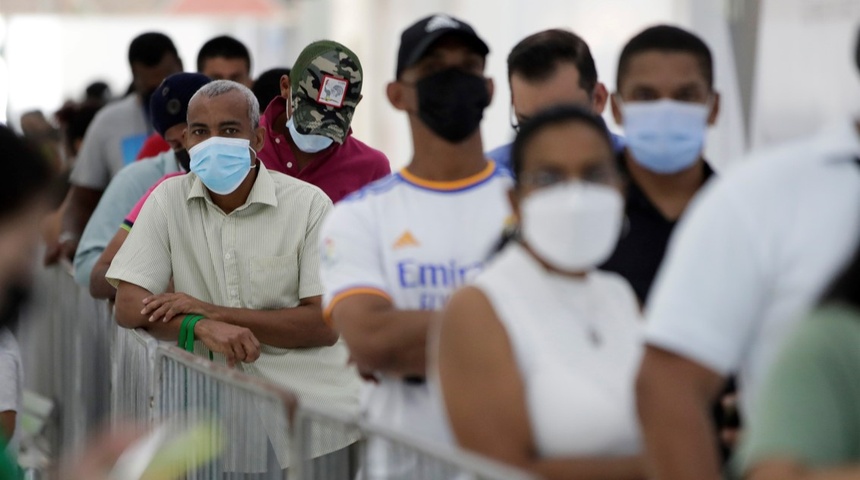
635 195
262 192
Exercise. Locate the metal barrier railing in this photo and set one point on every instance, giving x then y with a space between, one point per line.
133 376
66 341
253 414
76 355
386 454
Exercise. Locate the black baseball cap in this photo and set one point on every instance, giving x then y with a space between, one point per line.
418 38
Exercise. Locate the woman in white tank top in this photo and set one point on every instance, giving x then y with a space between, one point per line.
536 362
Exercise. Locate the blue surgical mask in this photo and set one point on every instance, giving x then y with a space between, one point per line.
665 136
308 143
221 163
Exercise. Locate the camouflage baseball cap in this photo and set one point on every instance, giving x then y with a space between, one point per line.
325 87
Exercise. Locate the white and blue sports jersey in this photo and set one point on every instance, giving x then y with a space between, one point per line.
414 242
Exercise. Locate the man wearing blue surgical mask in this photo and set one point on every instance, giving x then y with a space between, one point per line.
665 101
241 244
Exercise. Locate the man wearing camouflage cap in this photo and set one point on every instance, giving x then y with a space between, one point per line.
308 133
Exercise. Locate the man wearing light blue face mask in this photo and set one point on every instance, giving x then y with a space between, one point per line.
665 101
241 244
308 134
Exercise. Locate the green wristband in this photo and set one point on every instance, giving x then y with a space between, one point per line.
186 333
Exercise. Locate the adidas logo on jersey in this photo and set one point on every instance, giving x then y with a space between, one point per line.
406 240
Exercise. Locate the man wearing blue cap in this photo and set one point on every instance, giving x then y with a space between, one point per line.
168 107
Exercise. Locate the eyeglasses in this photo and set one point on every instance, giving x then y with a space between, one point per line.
600 174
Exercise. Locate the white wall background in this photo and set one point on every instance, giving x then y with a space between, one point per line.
804 75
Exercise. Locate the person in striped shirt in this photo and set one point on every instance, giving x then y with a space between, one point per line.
241 245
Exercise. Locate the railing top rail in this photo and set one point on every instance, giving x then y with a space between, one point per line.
469 461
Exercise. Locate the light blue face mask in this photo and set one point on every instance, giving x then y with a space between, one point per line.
221 163
665 136
308 143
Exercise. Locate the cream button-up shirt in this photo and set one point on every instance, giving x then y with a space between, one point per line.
264 255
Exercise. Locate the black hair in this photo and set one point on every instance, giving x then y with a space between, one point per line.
553 116
846 287
150 48
268 85
666 38
76 119
537 56
26 174
857 51
223 46
97 91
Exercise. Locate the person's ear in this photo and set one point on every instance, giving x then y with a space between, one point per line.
285 86
491 88
394 92
599 97
259 140
615 100
715 109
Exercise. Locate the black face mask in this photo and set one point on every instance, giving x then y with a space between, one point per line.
452 103
184 159
12 302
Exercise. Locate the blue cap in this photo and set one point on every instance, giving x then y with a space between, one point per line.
168 105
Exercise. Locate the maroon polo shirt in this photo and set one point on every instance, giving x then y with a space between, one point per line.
338 170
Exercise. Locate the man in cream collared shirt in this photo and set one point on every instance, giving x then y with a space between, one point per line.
247 260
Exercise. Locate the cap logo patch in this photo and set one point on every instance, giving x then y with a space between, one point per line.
332 91
441 21
173 106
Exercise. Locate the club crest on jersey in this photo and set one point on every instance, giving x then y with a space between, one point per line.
329 254
332 91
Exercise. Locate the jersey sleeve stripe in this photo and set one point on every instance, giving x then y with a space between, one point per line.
349 292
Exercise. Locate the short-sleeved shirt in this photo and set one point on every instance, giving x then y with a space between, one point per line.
338 170
414 242
128 223
643 242
124 190
112 141
264 256
502 155
808 408
753 253
11 385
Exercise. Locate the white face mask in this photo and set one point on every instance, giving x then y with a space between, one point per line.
574 226
308 143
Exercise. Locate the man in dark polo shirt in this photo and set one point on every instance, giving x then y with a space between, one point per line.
307 127
665 102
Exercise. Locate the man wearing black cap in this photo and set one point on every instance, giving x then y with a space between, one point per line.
395 251
168 107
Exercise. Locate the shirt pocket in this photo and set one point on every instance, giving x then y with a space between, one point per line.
274 282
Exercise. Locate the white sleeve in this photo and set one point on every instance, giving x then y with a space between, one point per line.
351 256
10 380
709 293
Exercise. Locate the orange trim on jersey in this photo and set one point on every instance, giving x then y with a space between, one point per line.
349 293
452 185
